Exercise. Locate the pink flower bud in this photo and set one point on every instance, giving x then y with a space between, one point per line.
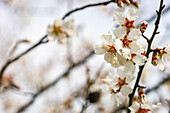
155 58
142 96
143 27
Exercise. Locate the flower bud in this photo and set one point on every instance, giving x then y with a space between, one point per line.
127 2
155 58
142 96
135 3
143 26
120 3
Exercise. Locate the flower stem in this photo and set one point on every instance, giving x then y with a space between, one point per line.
161 7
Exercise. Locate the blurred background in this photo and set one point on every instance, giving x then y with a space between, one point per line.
54 77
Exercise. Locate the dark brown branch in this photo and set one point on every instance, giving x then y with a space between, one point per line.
145 37
54 82
10 61
86 6
161 7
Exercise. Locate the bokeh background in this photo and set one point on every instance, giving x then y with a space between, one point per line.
41 67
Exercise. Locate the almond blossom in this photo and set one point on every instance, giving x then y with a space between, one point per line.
110 48
147 107
61 30
117 86
125 22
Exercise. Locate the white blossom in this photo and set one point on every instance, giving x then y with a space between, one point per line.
126 22
61 30
147 107
117 86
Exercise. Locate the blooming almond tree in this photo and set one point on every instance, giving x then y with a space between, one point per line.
121 48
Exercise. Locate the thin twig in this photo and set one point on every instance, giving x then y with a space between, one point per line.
87 6
145 38
161 7
10 61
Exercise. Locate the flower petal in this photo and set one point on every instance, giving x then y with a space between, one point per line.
127 69
166 58
133 13
134 34
119 17
137 47
107 39
119 32
99 50
134 107
129 78
139 59
126 90
160 64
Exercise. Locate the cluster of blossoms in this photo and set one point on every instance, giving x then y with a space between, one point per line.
140 105
123 50
121 45
61 30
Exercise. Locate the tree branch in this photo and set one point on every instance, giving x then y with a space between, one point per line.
161 7
10 61
87 6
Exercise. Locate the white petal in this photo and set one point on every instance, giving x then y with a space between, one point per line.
105 88
127 69
133 13
129 78
119 32
166 58
111 78
126 53
62 38
121 59
109 57
112 59
50 29
160 64
58 22
116 99
68 24
118 16
126 90
51 36
168 49
134 107
118 45
139 59
137 47
99 50
134 34
107 39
